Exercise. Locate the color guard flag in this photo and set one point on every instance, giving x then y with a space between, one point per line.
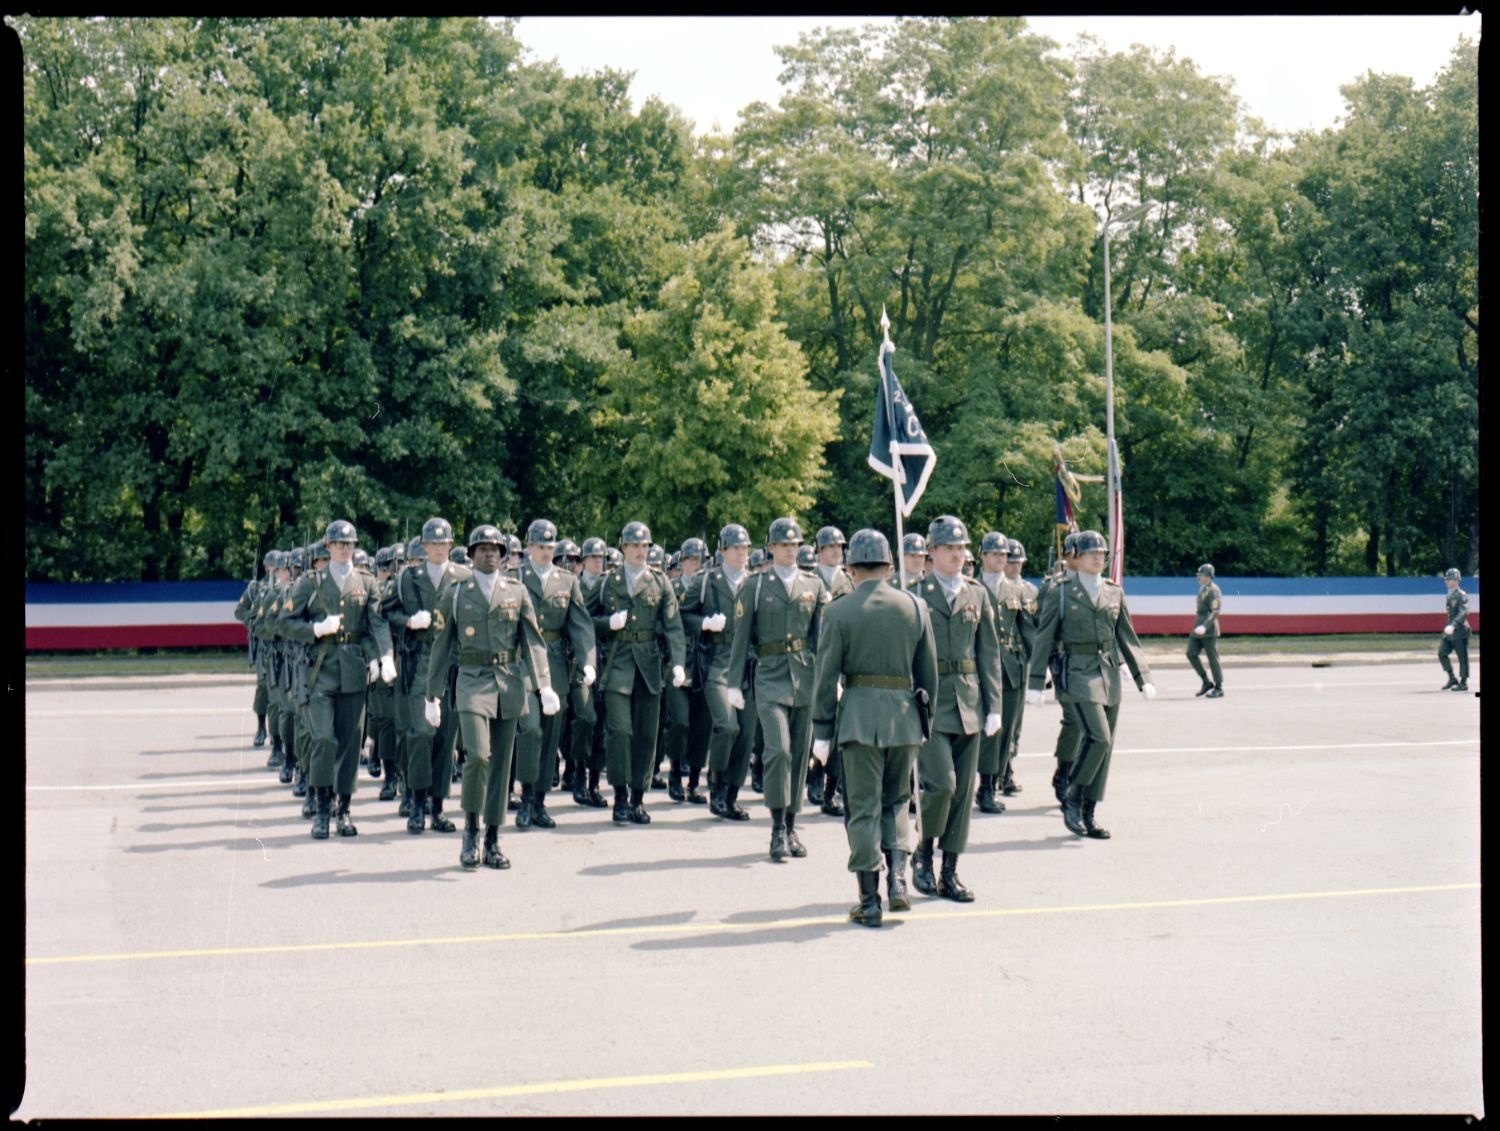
1117 509
898 447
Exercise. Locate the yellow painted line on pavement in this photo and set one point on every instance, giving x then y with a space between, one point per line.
554 1087
922 914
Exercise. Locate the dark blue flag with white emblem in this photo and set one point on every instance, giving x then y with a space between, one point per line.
898 447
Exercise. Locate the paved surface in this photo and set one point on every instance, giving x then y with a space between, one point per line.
1286 920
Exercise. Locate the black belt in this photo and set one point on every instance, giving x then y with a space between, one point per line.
468 658
550 636
636 637
887 682
957 667
1095 647
777 648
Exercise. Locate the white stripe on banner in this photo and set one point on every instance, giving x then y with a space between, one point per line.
1319 605
130 613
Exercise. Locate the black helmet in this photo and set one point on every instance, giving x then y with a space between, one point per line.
785 530
829 536
613 558
398 552
870 547
541 533
317 552
567 550
733 535
459 556
361 559
340 531
1017 552
275 559
267 561
593 548
807 556
757 558
512 545
1207 570
656 556
1088 541
946 530
994 543
384 557
296 559
415 551
635 534
437 530
486 534
693 548
1070 544
1452 575
912 544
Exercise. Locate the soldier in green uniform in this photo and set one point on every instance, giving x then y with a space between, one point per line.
968 693
1086 617
688 723
823 781
1070 733
381 705
408 645
1024 628
879 642
1205 636
338 610
993 552
777 617
244 612
261 621
315 558
1455 633
914 553
585 742
636 607
488 618
568 631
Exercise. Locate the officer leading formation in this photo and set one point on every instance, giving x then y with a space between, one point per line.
549 665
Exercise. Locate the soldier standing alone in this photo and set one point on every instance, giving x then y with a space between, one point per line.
1455 633
1205 637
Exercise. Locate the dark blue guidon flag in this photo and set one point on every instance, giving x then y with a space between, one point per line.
896 419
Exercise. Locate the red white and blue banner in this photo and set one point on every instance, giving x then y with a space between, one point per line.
133 614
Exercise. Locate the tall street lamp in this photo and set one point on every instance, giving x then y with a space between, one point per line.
1112 478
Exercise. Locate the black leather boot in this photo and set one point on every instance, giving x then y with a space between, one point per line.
716 791
493 857
621 813
984 796
388 787
404 809
895 880
416 821
374 770
732 808
278 755
674 787
638 814
1204 690
793 843
440 823
540 818
1216 692
523 815
581 787
323 803
596 799
1009 787
921 869
1093 830
1451 684
288 771
867 911
817 782
468 855
831 805
1060 780
569 777
299 781
694 796
260 730
778 835
1462 685
345 823
757 775
950 886
1072 810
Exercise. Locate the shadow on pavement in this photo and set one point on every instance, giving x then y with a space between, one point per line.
628 867
341 876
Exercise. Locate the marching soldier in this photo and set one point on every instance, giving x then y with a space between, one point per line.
994 552
1205 636
1455 633
488 618
262 624
1025 629
585 741
1089 622
1070 733
635 605
281 663
381 705
337 610
568 631
823 781
879 642
244 612
777 618
687 712
962 620
914 557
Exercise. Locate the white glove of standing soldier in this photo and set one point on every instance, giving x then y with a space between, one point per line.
328 625
374 670
588 675
551 704
419 620
1199 630
715 623
434 713
991 725
1148 690
388 669
618 620
736 698
679 677
1447 630
820 747
1033 698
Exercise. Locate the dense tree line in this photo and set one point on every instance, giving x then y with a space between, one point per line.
285 270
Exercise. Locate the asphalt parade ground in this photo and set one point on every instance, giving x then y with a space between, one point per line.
1286 920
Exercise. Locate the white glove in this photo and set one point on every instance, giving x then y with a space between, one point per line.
588 675
374 670
1033 698
991 725
1447 630
618 620
715 623
820 748
1199 630
679 677
328 625
1148 690
736 698
551 704
419 620
388 669
838 692
434 712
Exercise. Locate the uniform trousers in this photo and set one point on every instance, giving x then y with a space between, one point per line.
1209 646
537 739
429 749
488 743
729 735
335 724
877 788
630 723
787 732
1091 769
1451 644
946 764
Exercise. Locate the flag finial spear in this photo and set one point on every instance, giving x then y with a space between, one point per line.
885 325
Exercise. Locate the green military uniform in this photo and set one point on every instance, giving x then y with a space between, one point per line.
688 722
429 749
1456 640
244 612
383 698
1019 616
730 728
585 743
1009 612
1070 732
1207 641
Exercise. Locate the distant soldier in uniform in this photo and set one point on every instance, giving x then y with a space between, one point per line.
262 622
585 740
823 781
1205 635
1025 628
568 631
636 608
1088 620
381 705
688 723
962 621
994 550
338 610
914 557
243 612
777 619
1455 633
489 619
879 642
1070 733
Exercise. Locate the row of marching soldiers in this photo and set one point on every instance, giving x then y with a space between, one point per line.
514 660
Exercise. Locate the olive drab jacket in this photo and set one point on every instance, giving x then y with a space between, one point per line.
499 647
653 616
416 593
564 620
1094 639
781 629
708 593
878 630
1209 600
968 656
340 661
1458 613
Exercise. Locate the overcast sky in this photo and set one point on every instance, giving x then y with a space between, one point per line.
1287 69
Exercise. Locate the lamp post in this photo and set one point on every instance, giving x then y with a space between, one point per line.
1113 470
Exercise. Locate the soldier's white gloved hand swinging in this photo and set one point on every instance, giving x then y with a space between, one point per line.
1447 630
388 669
419 620
328 625
433 710
838 692
1033 698
374 670
715 623
618 620
1148 690
991 725
679 677
820 747
551 704
1199 630
736 698
589 675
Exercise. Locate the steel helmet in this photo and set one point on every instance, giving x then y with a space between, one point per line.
437 530
1206 570
567 550
1017 552
486 534
384 557
613 558
946 530
807 556
541 533
830 536
415 551
340 531
635 534
656 556
757 558
870 547
594 548
994 543
1452 575
317 552
361 559
295 559
785 530
733 535
1088 541
912 544
693 548
459 556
